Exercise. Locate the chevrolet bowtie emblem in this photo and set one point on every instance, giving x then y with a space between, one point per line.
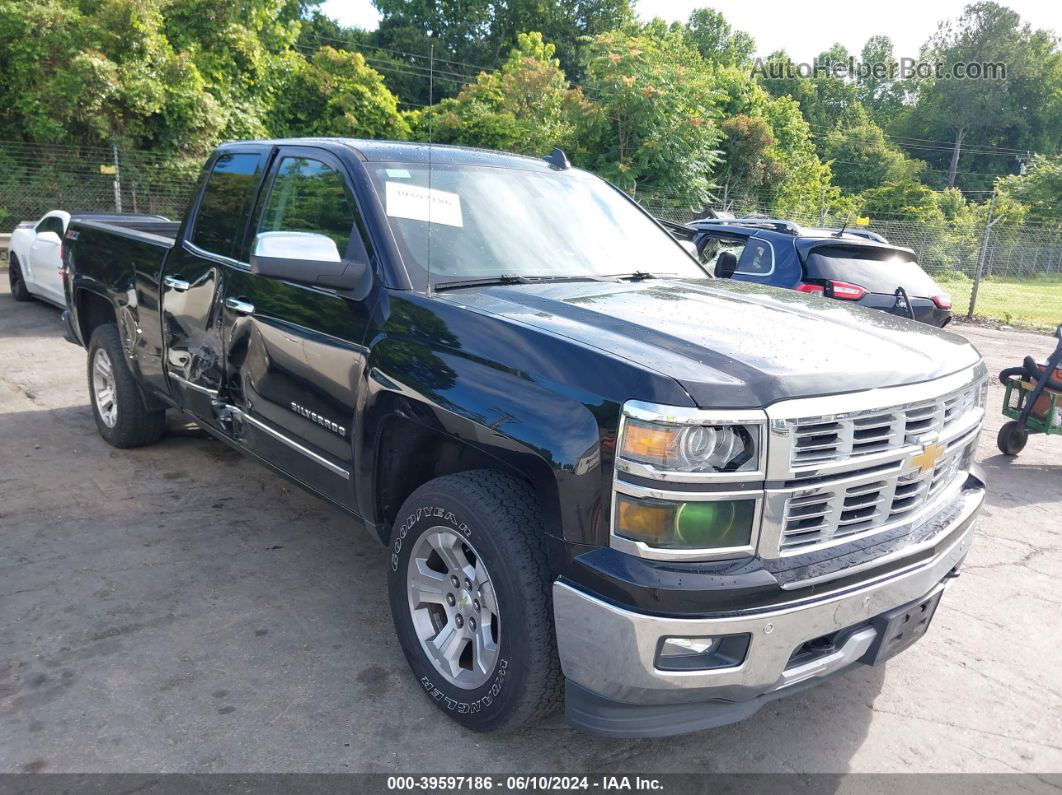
925 460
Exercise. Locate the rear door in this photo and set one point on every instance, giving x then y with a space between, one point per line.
193 277
295 354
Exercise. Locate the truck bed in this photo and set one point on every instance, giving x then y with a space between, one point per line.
153 229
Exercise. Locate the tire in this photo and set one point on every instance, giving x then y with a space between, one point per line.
490 526
1012 438
19 291
124 420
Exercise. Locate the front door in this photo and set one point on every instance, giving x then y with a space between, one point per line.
295 354
46 256
193 279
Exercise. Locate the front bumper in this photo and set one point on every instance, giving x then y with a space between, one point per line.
608 653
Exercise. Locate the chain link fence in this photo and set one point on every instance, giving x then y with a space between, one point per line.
1010 273
37 178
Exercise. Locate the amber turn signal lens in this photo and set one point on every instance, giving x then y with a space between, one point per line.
643 442
715 524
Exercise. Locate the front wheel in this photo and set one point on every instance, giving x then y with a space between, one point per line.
122 415
19 291
470 597
1012 438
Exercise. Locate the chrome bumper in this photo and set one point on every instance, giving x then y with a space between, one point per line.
610 652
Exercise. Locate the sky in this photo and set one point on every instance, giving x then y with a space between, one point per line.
801 29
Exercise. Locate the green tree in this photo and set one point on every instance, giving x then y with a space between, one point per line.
526 106
803 183
650 118
474 35
974 111
822 96
1039 189
878 88
860 156
104 75
336 93
713 37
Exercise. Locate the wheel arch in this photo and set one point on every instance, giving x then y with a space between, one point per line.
408 453
92 311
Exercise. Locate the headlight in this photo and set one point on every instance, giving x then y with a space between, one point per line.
665 524
691 448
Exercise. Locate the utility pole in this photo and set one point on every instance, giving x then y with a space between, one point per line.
982 255
117 180
822 206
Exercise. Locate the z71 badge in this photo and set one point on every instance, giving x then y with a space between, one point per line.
313 416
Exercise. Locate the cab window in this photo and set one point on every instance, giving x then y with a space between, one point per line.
226 203
308 195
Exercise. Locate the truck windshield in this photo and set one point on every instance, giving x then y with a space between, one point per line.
508 224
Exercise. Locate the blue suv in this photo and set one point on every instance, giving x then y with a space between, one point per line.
857 267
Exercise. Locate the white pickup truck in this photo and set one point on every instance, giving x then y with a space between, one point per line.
35 254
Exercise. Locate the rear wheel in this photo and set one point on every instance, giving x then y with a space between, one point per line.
122 416
19 291
1012 438
470 597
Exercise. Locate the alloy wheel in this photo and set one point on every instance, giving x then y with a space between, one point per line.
454 608
103 388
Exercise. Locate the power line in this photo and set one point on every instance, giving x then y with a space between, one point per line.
945 145
425 56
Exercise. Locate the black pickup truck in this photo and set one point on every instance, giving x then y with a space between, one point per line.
603 477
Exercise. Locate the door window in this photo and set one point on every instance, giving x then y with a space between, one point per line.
226 203
309 196
50 224
715 245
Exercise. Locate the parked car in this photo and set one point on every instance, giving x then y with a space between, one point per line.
35 254
554 419
857 267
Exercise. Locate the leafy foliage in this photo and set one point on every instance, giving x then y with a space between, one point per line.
526 106
650 118
336 93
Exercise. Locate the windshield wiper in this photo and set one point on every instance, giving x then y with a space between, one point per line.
491 281
639 276
486 282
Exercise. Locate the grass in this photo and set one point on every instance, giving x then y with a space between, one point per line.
1036 303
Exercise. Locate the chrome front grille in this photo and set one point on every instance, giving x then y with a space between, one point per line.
831 440
869 502
847 466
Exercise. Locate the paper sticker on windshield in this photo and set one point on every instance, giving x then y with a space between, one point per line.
420 204
398 173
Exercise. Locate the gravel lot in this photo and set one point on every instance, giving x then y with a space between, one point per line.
181 609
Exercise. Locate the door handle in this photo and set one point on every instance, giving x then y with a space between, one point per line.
180 285
238 305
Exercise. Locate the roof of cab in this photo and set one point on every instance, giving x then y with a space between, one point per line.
414 152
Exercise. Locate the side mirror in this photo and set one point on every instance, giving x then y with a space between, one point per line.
49 237
308 258
725 265
1058 331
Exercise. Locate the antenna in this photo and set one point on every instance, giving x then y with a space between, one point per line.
844 226
431 136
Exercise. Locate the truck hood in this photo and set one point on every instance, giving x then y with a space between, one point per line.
731 344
